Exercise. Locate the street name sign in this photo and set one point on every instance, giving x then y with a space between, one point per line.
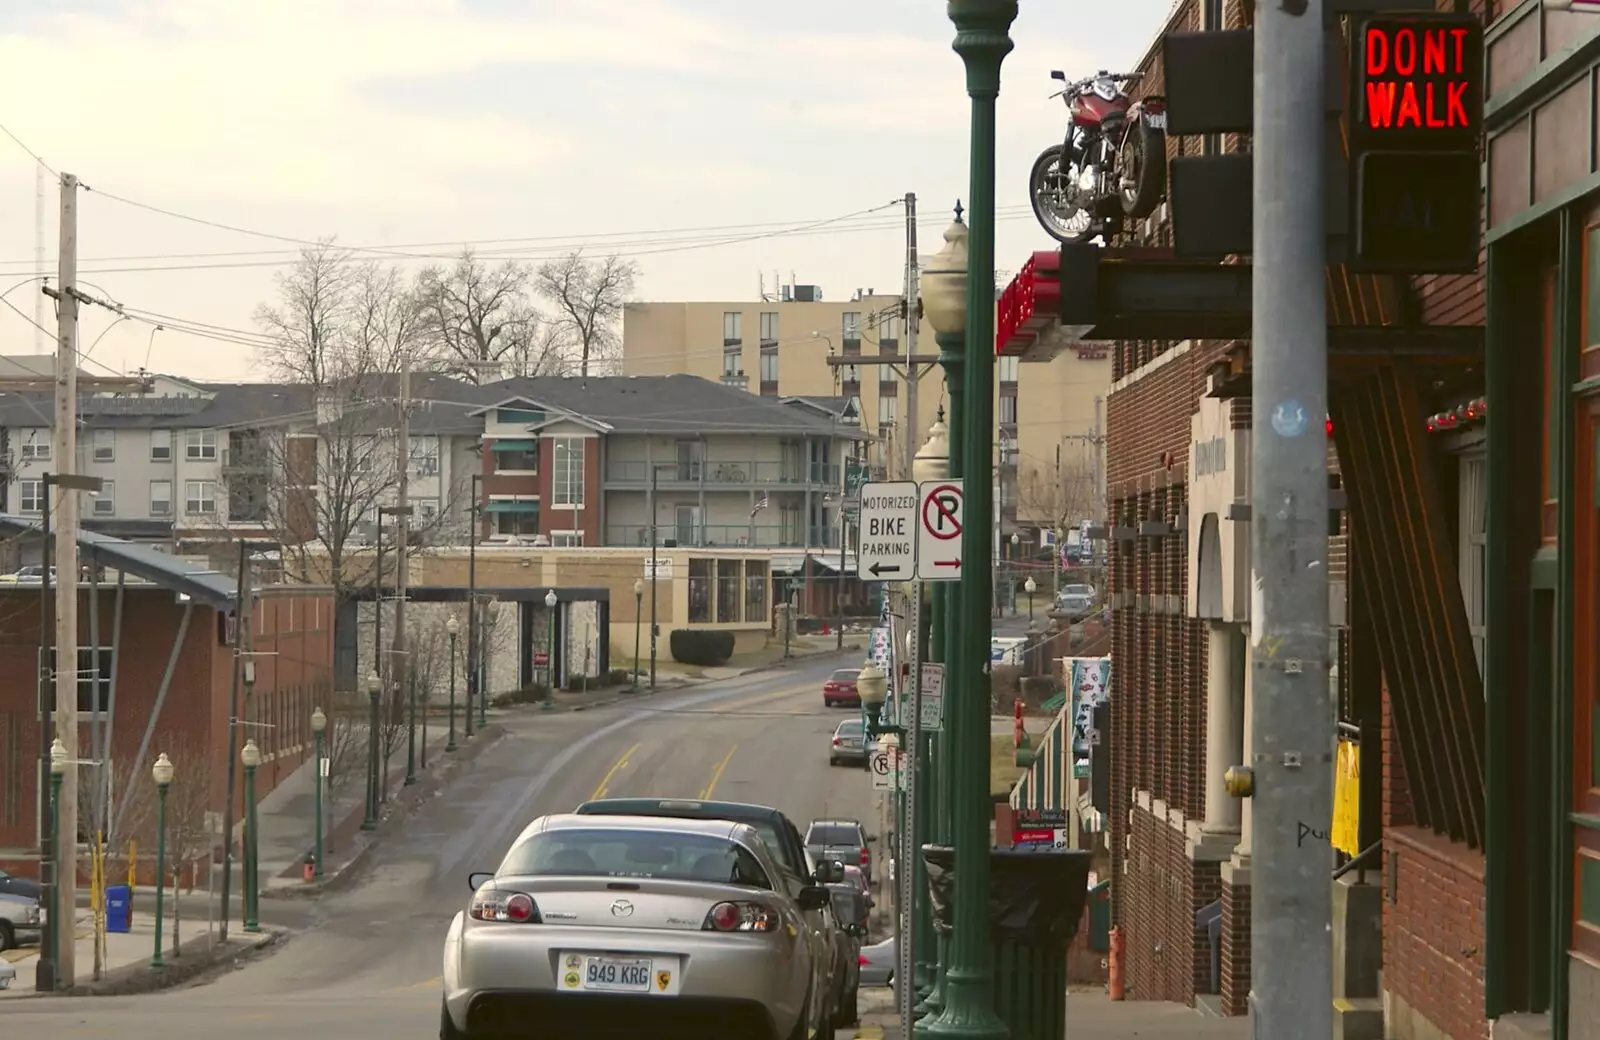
938 513
887 549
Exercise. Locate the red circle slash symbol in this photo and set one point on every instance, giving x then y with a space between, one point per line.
942 522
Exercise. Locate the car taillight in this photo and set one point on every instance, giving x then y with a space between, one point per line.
515 907
837 742
861 959
741 917
866 857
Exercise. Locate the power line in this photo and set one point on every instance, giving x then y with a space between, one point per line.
31 153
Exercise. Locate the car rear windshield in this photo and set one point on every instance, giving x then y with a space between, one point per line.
608 852
1078 590
849 729
833 834
845 675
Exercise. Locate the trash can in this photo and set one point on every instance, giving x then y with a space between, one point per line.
119 908
1036 898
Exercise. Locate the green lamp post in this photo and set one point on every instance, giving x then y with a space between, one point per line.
983 41
161 772
944 301
369 819
452 628
638 615
491 614
250 755
319 726
550 648
932 463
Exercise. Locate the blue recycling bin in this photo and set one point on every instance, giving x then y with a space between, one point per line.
119 908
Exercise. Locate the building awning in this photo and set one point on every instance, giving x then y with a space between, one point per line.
517 445
504 506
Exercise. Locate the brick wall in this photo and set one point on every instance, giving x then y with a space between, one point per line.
1235 949
1165 956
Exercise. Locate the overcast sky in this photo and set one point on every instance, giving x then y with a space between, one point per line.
657 128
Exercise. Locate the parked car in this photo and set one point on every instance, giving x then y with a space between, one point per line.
878 962
1075 600
11 885
851 745
846 971
21 921
839 691
855 876
841 840
850 904
590 923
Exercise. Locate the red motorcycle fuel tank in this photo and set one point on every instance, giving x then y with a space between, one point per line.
1090 109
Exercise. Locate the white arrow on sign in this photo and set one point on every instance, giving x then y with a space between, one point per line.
880 771
939 530
887 547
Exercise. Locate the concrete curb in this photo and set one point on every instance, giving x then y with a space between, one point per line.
400 807
623 695
135 979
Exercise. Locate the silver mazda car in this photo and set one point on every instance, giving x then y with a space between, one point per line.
602 926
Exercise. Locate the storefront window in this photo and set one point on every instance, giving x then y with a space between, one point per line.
755 590
727 591
699 591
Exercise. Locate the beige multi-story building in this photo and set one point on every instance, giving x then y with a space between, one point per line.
1048 456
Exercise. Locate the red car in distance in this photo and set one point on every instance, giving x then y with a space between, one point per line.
840 689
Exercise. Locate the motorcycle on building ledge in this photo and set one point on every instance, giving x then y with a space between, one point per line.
1112 164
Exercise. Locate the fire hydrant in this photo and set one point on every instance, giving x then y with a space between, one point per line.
310 868
1114 988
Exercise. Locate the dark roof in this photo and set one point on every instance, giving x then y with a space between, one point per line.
231 404
663 404
201 584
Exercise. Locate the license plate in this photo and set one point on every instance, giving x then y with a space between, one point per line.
1155 120
598 973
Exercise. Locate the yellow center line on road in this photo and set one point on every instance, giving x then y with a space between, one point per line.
716 774
616 767
437 980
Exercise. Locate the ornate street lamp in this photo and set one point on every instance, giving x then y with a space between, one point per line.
161 772
550 660
250 755
452 628
944 306
319 726
873 687
982 40
1030 586
370 819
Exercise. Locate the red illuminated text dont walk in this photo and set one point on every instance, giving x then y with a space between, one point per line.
1417 77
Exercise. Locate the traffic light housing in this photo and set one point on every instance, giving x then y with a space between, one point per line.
1416 113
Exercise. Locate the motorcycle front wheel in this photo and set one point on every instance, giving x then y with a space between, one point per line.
1053 191
1142 169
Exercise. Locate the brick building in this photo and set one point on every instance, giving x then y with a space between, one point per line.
1407 494
156 669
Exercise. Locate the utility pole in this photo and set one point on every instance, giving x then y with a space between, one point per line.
397 667
913 441
1291 767
653 572
65 450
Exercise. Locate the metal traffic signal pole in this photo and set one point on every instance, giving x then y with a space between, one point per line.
1291 770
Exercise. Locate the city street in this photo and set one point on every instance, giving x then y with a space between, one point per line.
369 966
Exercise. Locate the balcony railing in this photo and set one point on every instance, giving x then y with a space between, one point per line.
725 536
725 474
245 460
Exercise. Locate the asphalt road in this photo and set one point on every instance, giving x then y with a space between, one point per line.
369 963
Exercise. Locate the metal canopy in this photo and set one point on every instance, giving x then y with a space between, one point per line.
201 584
1155 297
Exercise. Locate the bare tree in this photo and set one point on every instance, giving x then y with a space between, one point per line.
386 322
308 328
474 312
1057 496
587 297
344 745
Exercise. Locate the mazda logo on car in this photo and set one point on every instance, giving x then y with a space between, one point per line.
621 908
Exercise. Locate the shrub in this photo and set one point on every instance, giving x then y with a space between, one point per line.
533 693
1005 686
618 677
697 646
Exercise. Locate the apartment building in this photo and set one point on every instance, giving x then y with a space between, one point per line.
559 461
781 349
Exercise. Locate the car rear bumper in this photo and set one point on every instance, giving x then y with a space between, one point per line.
594 1016
848 754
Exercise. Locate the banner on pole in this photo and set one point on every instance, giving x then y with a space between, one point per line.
1346 833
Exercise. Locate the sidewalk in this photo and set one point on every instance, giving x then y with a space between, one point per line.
126 968
1090 1013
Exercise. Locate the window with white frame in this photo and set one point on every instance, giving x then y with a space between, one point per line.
886 412
567 482
199 497
160 445
363 450
36 446
427 510
769 328
566 539
1008 368
200 445
769 365
103 445
161 498
732 327
32 495
851 324
888 327
105 500
424 453
1473 544
1008 410
733 361
519 524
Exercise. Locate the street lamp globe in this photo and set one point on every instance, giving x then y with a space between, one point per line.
319 721
374 684
550 599
944 282
1016 539
162 771
1030 586
250 755
452 626
638 586
58 757
872 685
933 459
